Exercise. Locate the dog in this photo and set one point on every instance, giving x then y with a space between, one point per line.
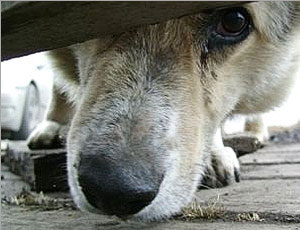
144 108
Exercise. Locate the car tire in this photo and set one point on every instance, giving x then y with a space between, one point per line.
30 113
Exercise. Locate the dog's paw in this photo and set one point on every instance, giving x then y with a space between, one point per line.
46 136
224 169
242 143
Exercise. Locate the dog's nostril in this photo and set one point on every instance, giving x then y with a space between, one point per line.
131 205
138 205
107 187
118 203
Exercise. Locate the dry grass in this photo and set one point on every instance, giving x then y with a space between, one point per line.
26 198
38 201
214 210
208 211
249 217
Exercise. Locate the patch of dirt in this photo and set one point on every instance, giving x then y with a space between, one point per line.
38 201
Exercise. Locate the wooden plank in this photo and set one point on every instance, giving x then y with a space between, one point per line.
29 27
270 172
262 196
11 184
270 155
43 170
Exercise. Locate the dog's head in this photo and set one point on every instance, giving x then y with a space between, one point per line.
152 98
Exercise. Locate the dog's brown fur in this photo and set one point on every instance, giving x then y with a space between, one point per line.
156 97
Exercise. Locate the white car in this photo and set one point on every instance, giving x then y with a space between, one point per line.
25 91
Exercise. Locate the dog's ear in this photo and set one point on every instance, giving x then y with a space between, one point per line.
275 20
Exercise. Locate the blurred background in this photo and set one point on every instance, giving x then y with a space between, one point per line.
26 85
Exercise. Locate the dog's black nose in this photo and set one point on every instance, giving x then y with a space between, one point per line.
116 189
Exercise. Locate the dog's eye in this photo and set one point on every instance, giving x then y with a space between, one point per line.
233 22
228 27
